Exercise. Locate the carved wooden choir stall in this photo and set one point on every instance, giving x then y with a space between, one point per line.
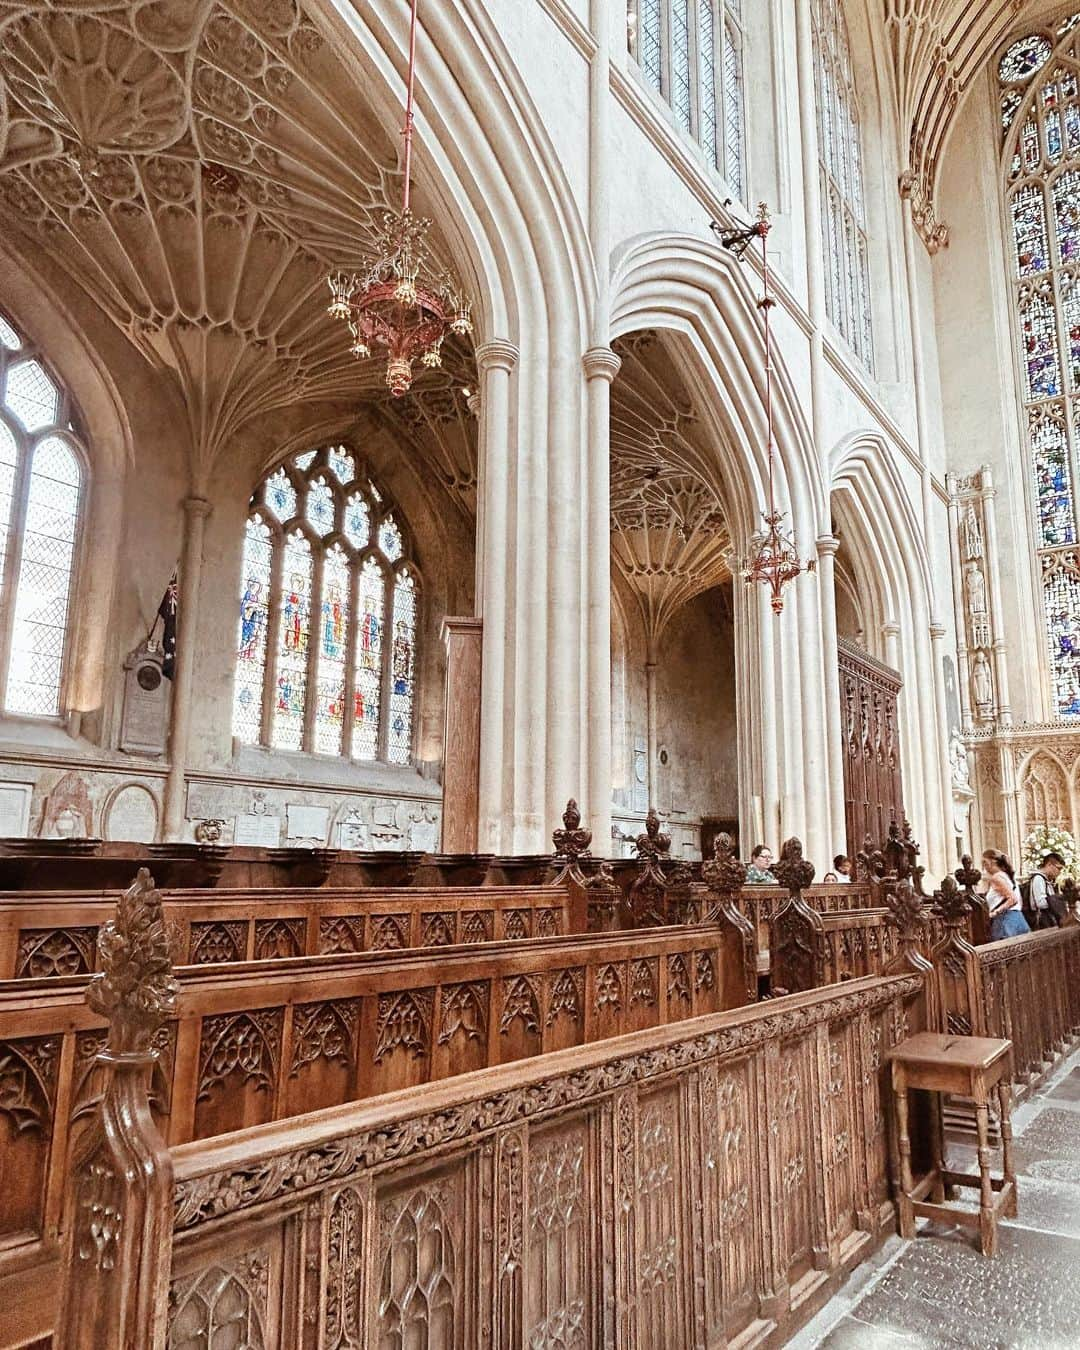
212 1116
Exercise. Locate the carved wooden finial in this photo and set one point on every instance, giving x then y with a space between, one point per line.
572 842
723 873
651 843
793 871
135 989
967 874
906 910
869 862
952 903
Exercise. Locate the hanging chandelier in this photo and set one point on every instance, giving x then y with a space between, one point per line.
399 305
774 558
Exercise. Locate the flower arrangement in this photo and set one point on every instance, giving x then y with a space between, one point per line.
1042 840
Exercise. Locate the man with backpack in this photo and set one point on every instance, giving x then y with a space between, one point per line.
1042 906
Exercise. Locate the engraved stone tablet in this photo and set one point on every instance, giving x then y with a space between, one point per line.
132 814
352 832
306 822
15 809
257 828
144 723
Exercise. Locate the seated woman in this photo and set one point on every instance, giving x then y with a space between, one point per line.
1003 897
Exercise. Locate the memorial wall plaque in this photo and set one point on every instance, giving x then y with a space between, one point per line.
259 829
15 801
132 814
306 822
144 722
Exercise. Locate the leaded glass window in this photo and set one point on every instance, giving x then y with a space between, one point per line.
690 51
325 560
1039 88
41 491
843 212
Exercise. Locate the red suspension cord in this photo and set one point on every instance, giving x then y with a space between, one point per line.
408 128
766 305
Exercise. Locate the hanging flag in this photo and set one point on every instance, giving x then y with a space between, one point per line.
167 615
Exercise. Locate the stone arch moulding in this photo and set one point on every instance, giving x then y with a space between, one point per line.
871 493
1045 792
691 286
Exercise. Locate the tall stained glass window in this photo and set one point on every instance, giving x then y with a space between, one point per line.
325 562
41 491
1039 90
690 51
843 211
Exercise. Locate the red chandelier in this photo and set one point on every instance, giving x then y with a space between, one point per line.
399 305
774 557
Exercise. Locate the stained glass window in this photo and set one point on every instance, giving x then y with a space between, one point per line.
690 51
41 490
324 561
843 219
1040 115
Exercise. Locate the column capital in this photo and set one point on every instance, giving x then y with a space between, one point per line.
601 363
890 628
498 354
826 545
937 629
195 506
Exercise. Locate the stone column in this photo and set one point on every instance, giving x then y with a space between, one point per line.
601 367
461 741
196 509
942 763
768 692
495 362
1001 667
963 674
827 544
650 732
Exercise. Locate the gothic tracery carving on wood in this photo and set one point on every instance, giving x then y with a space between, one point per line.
324 1031
244 1044
404 1021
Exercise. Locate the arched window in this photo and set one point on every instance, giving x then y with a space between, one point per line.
1039 79
843 214
41 480
690 51
326 650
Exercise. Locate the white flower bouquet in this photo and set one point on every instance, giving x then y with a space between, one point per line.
1045 839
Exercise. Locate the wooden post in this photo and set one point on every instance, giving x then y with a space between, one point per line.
461 743
115 1274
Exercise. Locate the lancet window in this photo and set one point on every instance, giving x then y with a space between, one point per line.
41 493
690 51
1039 89
843 209
326 636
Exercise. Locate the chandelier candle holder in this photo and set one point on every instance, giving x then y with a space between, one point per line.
400 305
774 557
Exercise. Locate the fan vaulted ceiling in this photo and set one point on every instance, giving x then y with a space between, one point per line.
198 165
669 537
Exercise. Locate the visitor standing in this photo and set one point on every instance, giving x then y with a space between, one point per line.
1043 907
998 884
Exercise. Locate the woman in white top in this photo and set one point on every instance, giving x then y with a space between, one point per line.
1003 897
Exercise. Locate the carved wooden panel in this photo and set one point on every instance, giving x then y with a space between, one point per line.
873 794
461 1042
659 1218
322 1067
419 1250
342 1306
344 933
44 952
389 931
218 941
231 1298
793 1127
238 1059
438 929
278 938
477 925
402 1040
28 1080
560 1289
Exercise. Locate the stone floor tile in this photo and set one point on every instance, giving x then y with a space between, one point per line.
1068 1088
852 1334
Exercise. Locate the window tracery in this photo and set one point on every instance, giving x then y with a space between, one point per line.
1039 90
41 489
690 51
843 211
324 564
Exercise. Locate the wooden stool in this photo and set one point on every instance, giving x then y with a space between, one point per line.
969 1066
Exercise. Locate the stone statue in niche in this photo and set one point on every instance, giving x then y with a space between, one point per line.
144 721
982 685
978 613
958 761
973 542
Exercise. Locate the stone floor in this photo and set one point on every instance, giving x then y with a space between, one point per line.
939 1293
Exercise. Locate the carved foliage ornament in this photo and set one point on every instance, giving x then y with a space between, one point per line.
135 990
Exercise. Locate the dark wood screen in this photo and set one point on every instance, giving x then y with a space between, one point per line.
873 794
